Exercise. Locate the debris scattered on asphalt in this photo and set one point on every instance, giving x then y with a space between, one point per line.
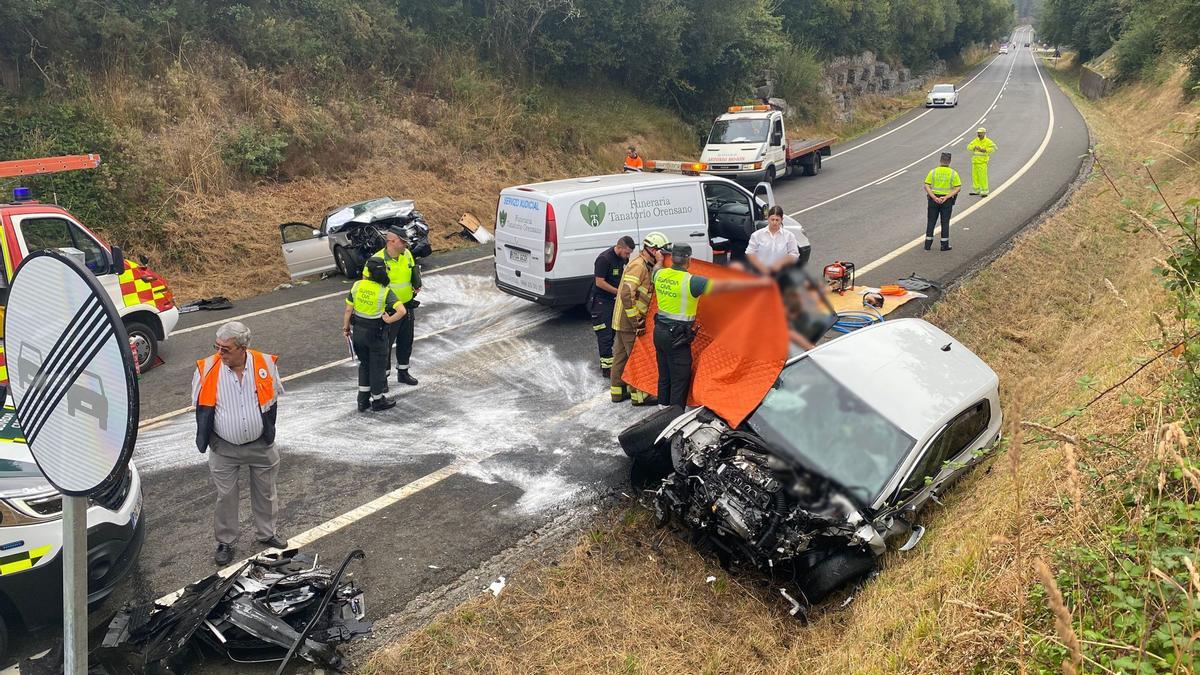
496 586
710 580
210 304
277 604
434 567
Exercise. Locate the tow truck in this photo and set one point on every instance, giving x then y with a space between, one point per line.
142 298
749 144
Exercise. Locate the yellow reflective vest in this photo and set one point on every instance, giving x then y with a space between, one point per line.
678 297
942 180
403 273
981 150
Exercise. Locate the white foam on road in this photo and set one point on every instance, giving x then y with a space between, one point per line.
487 392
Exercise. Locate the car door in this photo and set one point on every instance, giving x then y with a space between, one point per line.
732 216
305 250
947 455
775 153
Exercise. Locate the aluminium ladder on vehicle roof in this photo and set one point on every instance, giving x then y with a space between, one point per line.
42 165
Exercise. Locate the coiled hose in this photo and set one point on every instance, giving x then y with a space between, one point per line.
852 320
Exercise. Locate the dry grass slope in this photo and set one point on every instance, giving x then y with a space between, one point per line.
1065 313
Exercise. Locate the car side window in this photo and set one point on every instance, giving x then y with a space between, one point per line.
955 438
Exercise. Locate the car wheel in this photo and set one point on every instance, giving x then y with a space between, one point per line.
815 167
637 440
345 263
770 175
836 571
143 338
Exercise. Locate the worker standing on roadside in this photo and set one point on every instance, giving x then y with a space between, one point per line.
236 392
404 278
629 314
942 186
633 161
981 150
678 294
603 297
370 308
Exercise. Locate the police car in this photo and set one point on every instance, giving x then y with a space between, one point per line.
31 537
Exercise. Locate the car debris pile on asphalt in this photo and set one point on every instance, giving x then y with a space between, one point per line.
274 607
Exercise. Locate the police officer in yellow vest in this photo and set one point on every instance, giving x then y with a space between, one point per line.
370 308
404 278
942 185
981 149
678 294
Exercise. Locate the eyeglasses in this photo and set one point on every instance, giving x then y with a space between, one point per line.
225 350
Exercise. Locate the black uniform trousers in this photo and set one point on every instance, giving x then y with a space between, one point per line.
673 347
369 337
600 306
934 212
400 335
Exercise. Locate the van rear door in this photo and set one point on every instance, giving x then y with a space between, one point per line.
522 245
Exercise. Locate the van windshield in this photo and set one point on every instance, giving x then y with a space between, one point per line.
739 131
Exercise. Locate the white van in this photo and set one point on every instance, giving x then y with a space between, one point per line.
549 234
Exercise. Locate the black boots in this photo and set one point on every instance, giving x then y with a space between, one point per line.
382 403
364 401
403 377
946 246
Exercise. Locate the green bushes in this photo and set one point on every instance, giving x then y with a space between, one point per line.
1142 32
253 151
124 197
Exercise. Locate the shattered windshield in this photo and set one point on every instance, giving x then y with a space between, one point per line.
346 214
739 131
826 427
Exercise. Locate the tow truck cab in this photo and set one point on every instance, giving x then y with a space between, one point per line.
749 144
141 296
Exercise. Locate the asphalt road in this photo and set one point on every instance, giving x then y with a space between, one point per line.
510 426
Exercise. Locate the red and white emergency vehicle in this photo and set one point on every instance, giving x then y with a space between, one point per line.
141 296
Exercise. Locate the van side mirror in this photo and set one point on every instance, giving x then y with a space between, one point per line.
117 263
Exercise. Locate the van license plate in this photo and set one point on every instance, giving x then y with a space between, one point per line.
518 256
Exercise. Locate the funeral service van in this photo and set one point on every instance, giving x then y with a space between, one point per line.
549 234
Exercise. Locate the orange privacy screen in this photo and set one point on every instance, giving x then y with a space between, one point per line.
740 347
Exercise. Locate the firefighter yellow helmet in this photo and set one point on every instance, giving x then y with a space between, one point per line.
656 240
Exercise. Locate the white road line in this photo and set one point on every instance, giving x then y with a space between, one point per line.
289 305
969 129
889 133
155 422
887 178
378 504
1023 170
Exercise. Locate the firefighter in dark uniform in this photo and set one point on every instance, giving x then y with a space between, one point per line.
370 307
404 278
610 264
678 293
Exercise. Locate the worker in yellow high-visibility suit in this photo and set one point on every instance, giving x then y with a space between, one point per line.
981 150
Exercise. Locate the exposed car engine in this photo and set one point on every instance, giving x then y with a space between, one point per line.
752 507
358 231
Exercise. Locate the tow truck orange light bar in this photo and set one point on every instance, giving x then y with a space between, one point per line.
34 167
689 168
748 108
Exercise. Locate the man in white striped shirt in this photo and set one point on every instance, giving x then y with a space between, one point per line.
235 392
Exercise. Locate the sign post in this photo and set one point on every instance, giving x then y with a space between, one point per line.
72 379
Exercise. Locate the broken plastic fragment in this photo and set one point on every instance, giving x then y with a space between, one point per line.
434 567
496 586
795 605
710 580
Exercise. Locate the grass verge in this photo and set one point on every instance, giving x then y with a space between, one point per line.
1015 571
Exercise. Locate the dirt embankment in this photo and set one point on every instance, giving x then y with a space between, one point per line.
1071 310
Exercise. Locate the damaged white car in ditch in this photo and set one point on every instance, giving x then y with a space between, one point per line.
832 468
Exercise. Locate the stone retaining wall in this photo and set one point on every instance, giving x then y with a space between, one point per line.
848 78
